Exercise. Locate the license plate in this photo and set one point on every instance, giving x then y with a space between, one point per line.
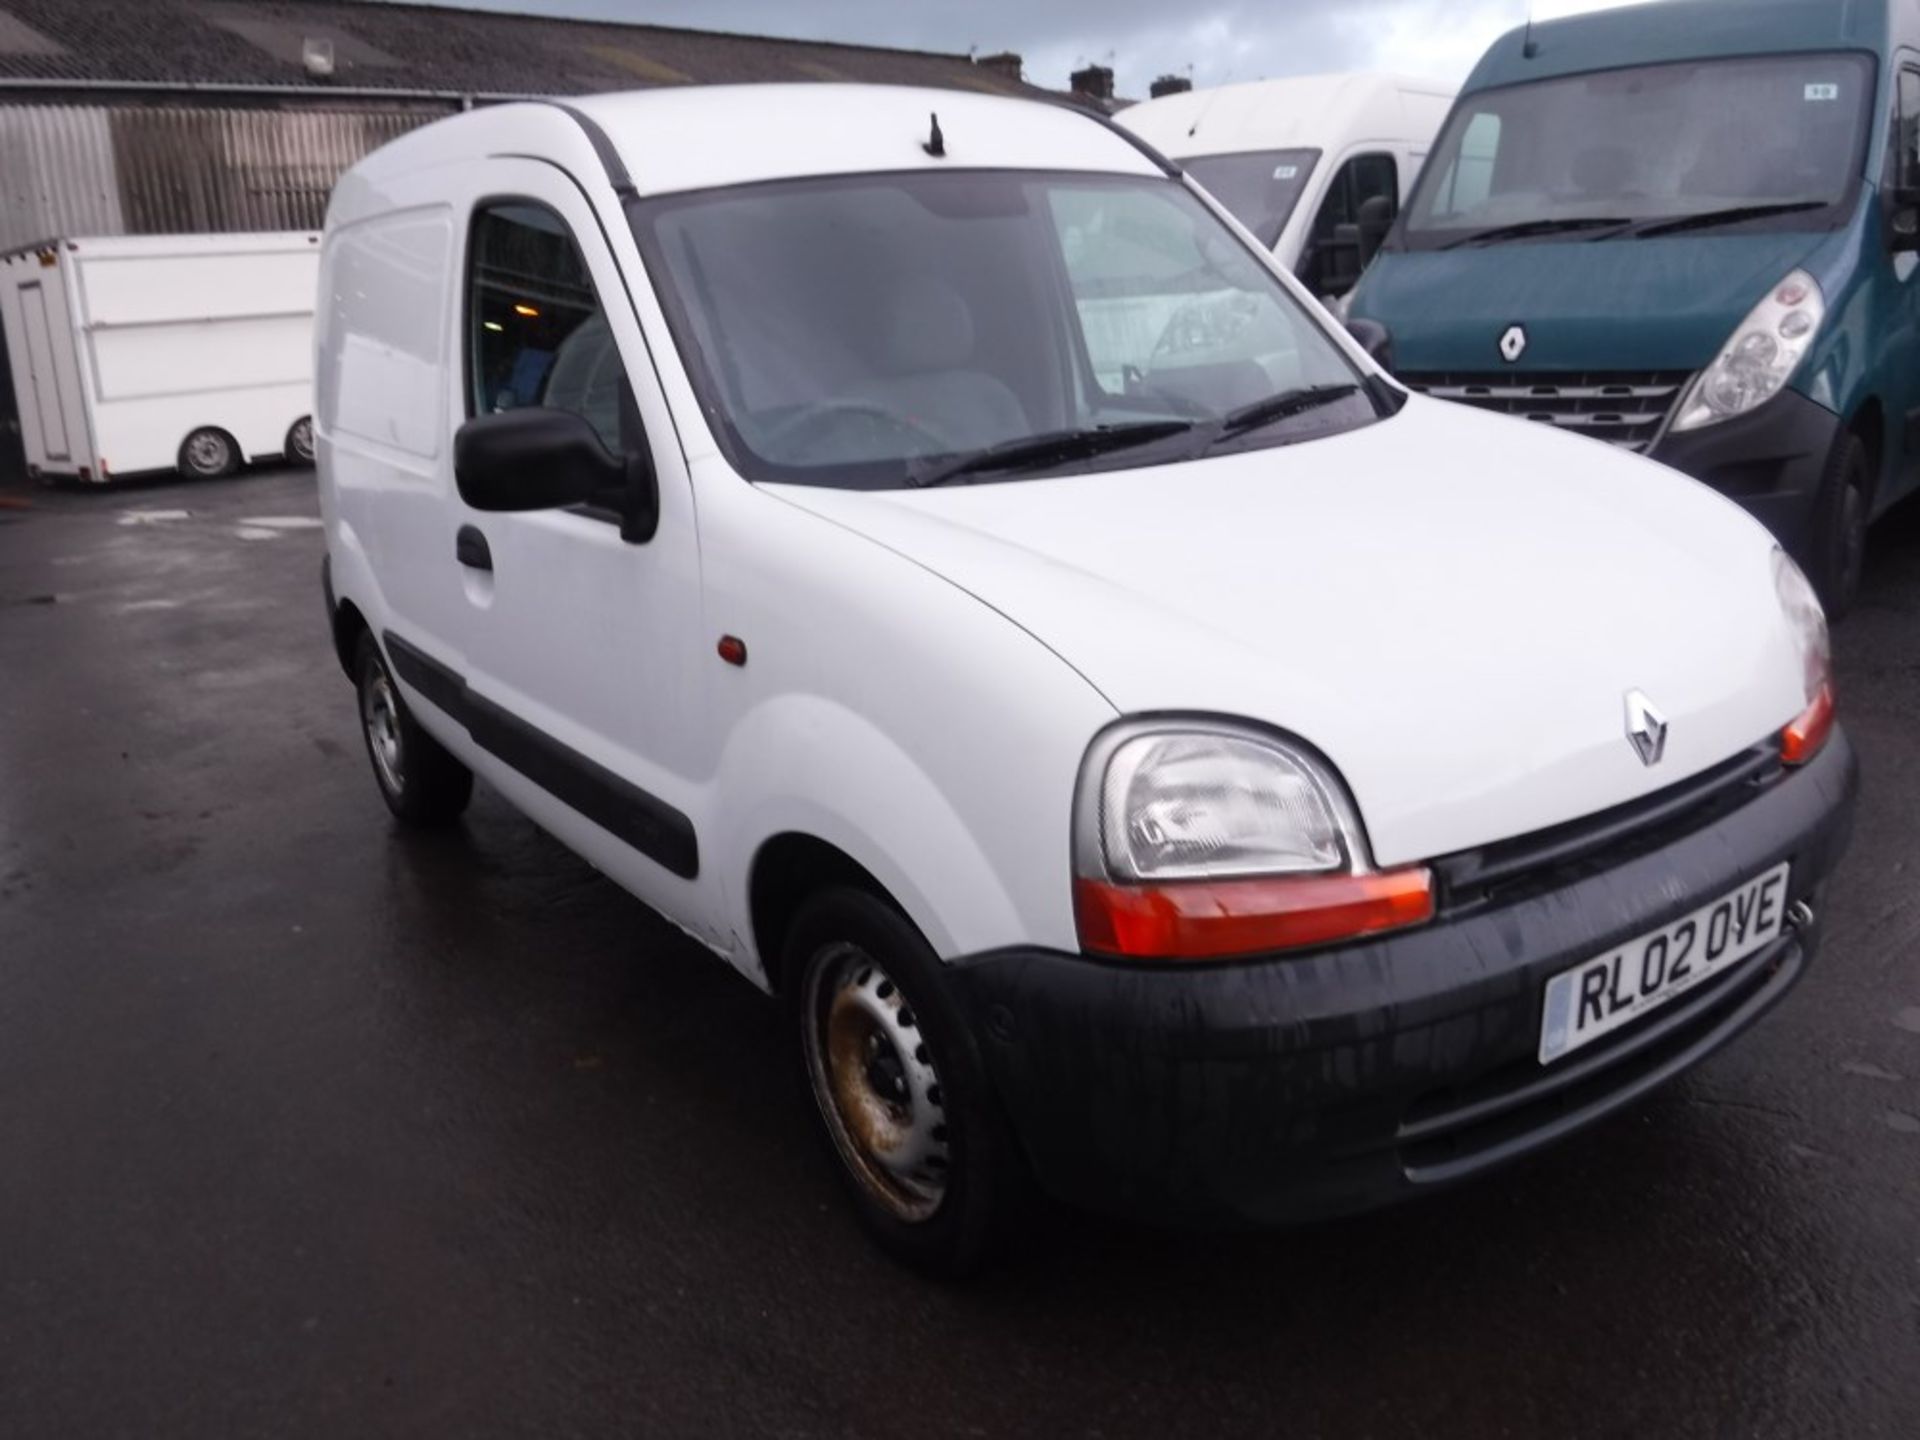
1602 994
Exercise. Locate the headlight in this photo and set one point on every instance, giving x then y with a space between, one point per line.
1760 358
1808 733
1197 807
1197 839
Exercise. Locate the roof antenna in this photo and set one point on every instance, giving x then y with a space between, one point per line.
1528 49
936 145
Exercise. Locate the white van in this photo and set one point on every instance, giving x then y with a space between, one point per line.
133 354
1316 166
1176 765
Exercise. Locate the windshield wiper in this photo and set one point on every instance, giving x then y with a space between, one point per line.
1529 229
1276 408
1054 448
1708 219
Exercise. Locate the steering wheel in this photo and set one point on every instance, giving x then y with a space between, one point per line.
810 417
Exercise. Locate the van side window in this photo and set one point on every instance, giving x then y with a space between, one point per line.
537 334
1333 258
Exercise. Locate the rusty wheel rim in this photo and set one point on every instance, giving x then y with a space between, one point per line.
874 1080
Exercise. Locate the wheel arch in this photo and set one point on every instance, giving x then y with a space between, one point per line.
348 626
1868 425
822 795
787 870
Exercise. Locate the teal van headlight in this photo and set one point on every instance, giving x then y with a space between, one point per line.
1761 357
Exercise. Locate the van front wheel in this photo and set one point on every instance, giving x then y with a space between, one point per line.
1839 550
419 779
899 1086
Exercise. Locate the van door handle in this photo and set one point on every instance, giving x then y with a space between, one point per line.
470 548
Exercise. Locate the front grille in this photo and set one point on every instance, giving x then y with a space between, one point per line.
1509 870
1624 408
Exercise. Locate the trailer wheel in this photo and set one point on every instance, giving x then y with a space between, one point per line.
208 454
300 441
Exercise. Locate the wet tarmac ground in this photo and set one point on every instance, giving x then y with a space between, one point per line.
311 1127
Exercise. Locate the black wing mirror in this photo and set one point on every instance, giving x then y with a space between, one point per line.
1376 220
534 459
544 459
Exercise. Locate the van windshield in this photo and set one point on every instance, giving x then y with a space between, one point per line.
1764 142
879 331
1259 189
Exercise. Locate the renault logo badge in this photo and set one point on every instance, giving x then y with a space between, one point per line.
1646 728
1513 344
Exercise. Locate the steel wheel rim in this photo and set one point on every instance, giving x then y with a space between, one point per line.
380 715
302 443
874 1080
207 452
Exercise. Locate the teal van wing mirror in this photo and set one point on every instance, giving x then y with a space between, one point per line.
1903 220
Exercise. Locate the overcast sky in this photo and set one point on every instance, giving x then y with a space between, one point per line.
1221 40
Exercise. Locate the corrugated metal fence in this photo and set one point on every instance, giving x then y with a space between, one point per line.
158 170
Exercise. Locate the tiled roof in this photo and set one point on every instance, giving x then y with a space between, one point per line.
426 47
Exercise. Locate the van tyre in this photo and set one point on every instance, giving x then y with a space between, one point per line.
898 1083
299 444
421 782
209 453
1841 511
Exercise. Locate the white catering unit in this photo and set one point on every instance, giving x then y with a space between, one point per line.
143 353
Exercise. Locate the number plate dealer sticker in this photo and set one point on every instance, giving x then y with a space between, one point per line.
1607 992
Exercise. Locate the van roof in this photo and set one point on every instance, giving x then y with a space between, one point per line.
1670 30
703 137
1317 112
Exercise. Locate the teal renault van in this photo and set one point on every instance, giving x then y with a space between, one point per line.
1689 229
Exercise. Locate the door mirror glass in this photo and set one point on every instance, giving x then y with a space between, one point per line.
533 459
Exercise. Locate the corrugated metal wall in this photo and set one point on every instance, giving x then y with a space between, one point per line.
56 174
158 170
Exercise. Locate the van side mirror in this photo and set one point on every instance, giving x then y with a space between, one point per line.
1375 339
1376 220
532 459
1903 220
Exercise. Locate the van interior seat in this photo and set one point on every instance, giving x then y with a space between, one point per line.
926 344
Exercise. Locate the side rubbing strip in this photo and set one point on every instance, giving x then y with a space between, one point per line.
610 160
621 808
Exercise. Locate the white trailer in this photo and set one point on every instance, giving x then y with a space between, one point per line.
143 353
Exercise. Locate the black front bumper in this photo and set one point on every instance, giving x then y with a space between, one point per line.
1286 1088
1770 462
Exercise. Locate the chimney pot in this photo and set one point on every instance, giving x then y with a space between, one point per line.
1006 64
1094 81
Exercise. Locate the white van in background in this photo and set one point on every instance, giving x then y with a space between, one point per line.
1316 166
156 352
